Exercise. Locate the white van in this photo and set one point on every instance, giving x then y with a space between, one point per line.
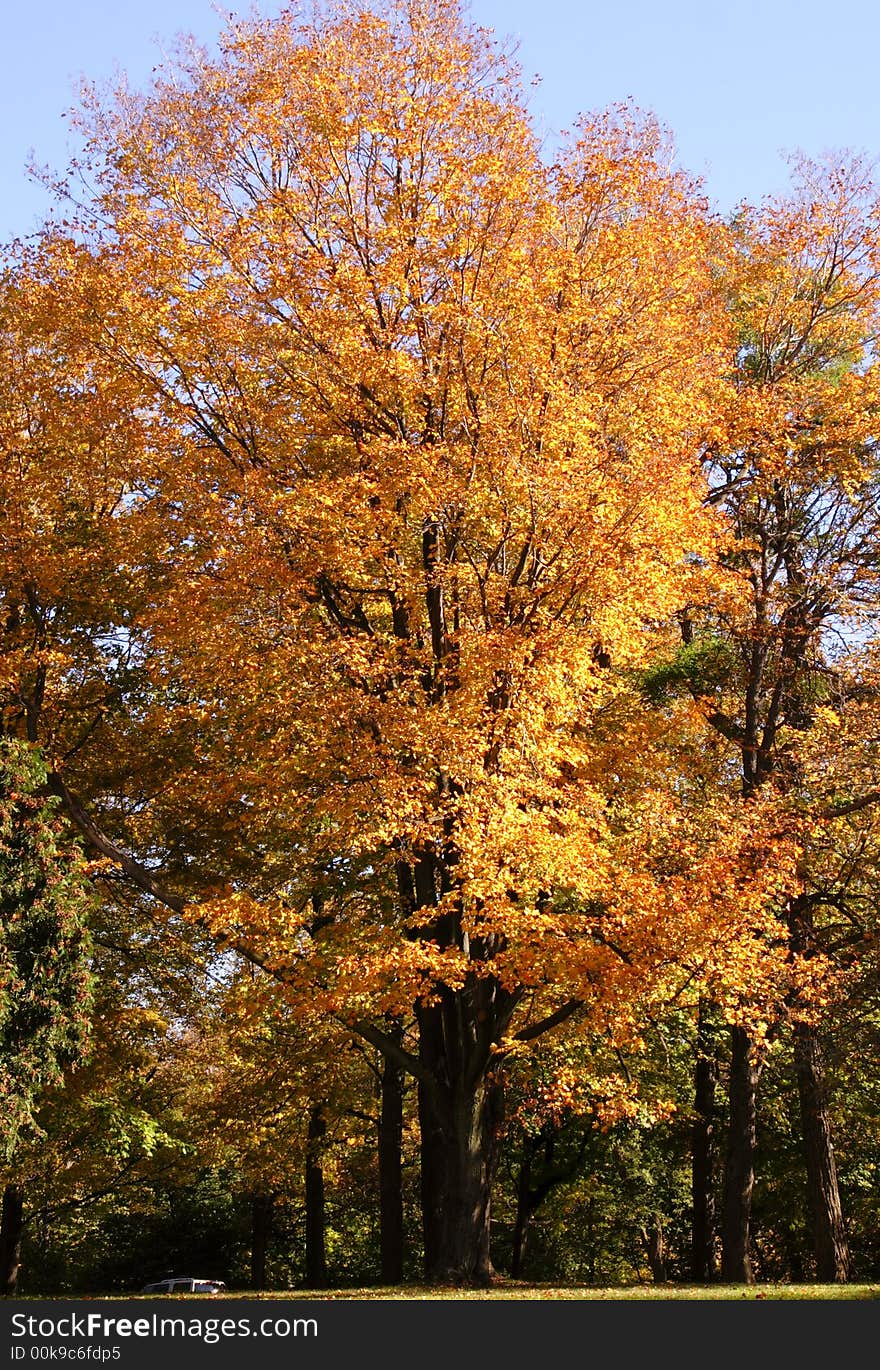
184 1284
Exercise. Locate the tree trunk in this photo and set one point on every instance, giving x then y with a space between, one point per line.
826 1213
829 1234
390 1172
739 1178
535 1183
655 1244
316 1253
460 1104
457 1154
261 1229
703 1151
11 1227
523 1213
431 1140
462 1256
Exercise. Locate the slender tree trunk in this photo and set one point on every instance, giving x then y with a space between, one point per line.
261 1230
826 1213
523 1213
655 1245
316 1253
703 1147
739 1178
11 1227
432 1175
390 1172
829 1233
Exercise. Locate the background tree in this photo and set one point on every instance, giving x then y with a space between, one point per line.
796 476
44 964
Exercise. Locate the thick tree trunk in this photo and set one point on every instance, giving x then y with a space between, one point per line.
457 1155
829 1234
456 1106
316 1252
703 1147
460 1105
463 1253
391 1172
739 1177
455 1183
11 1227
261 1230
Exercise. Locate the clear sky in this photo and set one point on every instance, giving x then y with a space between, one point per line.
739 84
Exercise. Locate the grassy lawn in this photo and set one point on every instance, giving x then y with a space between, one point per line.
513 1290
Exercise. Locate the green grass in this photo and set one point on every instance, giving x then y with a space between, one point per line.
514 1290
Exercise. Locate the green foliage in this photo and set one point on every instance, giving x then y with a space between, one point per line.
702 667
44 942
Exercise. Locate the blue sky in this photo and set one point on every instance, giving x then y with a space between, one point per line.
738 84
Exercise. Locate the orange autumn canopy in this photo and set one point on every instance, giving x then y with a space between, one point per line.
415 487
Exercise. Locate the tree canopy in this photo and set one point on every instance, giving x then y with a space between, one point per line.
435 573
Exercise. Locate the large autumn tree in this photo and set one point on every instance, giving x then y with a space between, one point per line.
394 432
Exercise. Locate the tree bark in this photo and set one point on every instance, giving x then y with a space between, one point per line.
826 1213
703 1148
459 1145
432 1178
823 1192
261 1230
462 1123
458 1103
655 1244
535 1183
11 1228
524 1212
391 1247
460 1253
316 1251
739 1177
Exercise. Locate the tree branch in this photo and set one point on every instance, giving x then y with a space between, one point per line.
852 806
528 1034
138 874
392 1050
